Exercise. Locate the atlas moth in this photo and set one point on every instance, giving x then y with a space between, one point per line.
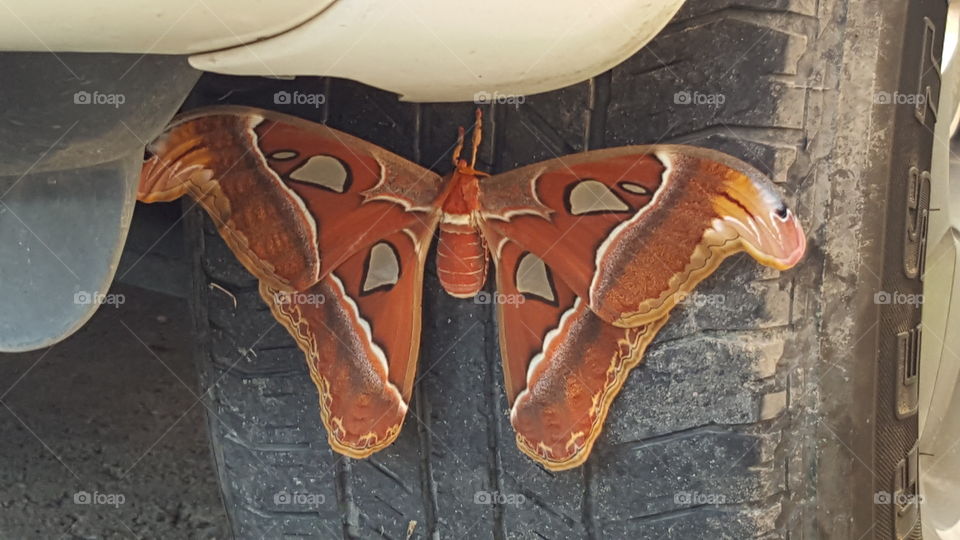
600 246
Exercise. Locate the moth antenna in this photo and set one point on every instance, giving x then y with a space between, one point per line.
477 136
459 148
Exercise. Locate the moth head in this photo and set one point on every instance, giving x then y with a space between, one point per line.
749 207
466 169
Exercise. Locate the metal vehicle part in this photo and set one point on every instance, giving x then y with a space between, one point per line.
67 178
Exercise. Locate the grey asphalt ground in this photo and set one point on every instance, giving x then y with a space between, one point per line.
104 436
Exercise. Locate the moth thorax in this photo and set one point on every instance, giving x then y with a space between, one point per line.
461 259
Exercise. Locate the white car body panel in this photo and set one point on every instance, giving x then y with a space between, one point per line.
165 27
429 50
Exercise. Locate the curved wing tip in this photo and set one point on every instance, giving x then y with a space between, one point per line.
782 250
570 461
352 450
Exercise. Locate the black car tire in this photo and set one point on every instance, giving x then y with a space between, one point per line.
779 408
